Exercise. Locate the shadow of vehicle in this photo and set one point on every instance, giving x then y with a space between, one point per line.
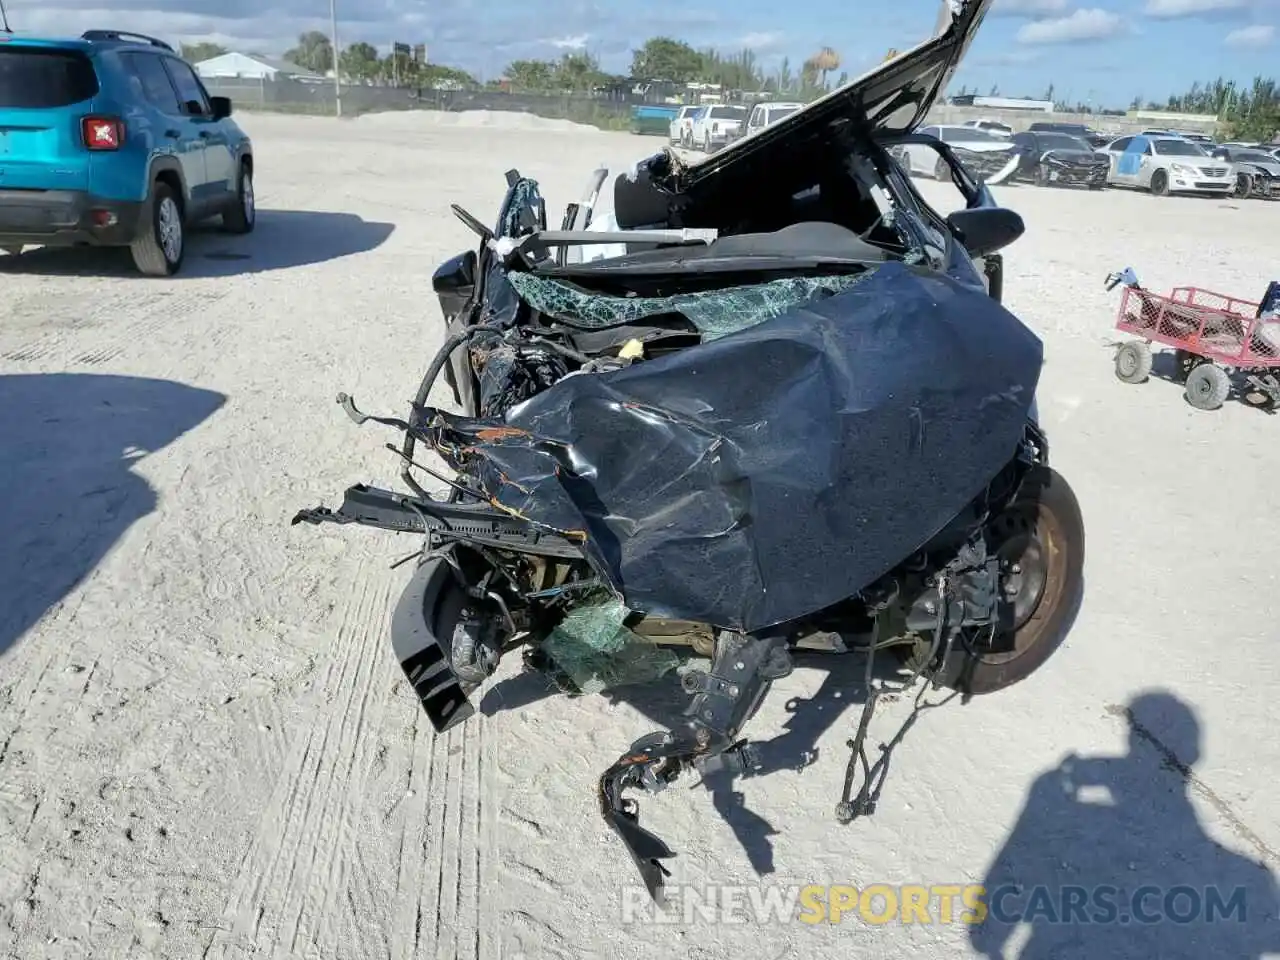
1109 859
1166 366
809 718
844 686
281 239
68 490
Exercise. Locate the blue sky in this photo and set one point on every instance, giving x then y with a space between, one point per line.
1104 51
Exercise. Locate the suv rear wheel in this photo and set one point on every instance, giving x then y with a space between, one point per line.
161 242
242 214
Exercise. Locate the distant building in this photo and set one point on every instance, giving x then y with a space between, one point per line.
241 66
1002 103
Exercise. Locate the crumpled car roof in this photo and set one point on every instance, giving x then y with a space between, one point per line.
770 473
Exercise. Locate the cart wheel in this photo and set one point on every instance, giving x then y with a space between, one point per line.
1133 362
1207 387
1184 362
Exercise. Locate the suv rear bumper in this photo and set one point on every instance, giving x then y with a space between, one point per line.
64 218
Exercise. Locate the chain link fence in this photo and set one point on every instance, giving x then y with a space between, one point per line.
294 96
613 113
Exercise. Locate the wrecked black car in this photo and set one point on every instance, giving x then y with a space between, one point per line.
733 430
1047 158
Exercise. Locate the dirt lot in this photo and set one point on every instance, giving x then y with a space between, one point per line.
206 747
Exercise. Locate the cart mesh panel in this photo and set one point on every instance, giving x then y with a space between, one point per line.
715 313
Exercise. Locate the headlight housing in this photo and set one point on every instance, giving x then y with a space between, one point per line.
1181 168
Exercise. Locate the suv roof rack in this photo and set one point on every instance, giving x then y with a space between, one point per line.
123 36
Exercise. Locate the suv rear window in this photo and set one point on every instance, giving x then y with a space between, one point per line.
41 79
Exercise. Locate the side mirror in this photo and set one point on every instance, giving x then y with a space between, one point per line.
455 274
221 107
454 282
984 230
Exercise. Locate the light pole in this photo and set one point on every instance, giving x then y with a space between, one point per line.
337 80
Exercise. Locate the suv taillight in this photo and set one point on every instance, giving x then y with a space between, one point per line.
102 133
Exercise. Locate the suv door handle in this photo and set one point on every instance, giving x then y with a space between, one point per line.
204 134
173 134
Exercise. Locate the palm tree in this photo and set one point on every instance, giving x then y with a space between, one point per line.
824 61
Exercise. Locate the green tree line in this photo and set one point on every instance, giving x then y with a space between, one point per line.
659 59
359 62
1246 112
667 60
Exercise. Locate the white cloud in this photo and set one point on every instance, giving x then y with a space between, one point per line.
1010 58
478 35
759 41
570 43
1177 9
1259 35
1028 8
1082 26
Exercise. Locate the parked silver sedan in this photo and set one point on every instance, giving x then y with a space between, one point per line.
1166 165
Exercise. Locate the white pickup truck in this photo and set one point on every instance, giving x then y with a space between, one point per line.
717 125
682 126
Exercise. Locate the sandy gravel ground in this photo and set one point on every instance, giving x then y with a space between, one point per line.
206 746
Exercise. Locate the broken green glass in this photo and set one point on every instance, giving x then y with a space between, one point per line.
714 313
595 652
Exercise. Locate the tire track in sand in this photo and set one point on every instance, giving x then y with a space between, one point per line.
446 849
299 877
106 331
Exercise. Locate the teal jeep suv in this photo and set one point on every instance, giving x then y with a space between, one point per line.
112 140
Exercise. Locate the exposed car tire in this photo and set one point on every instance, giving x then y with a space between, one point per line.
161 244
1041 176
241 217
1133 362
1207 387
1040 541
1160 183
1243 188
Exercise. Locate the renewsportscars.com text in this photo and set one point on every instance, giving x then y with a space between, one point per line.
943 904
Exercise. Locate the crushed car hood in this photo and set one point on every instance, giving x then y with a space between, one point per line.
768 474
981 146
1077 156
890 100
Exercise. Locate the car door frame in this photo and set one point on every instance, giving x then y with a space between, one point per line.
1029 148
1113 158
218 183
1146 165
916 150
165 127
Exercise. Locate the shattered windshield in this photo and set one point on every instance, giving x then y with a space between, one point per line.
1177 148
1060 141
714 313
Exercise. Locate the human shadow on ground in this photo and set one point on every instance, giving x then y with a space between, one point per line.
1108 858
68 491
663 702
280 240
